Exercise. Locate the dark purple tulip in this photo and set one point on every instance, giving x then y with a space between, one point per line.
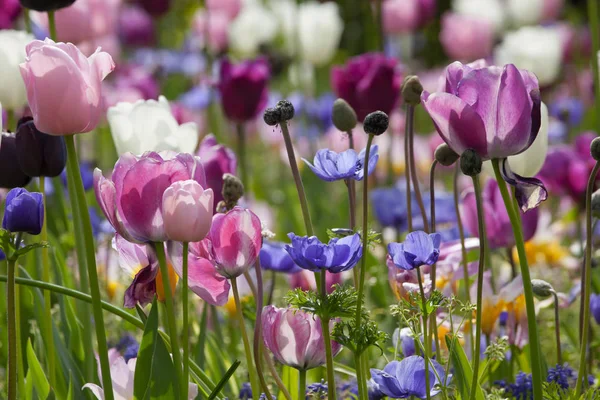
595 306
337 256
419 248
46 5
331 166
39 154
274 257
368 82
155 7
9 12
136 26
23 212
406 378
217 161
243 88
11 174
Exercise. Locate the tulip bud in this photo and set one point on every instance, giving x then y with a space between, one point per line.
470 162
272 116
39 154
286 109
376 123
187 211
595 149
11 175
233 190
24 212
411 90
343 115
445 155
542 289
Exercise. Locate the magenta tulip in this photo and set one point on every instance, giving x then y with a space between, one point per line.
217 160
187 211
295 337
64 87
132 200
236 239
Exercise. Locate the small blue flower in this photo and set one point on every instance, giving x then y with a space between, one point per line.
274 257
24 212
245 392
331 166
595 306
317 390
337 256
406 378
568 109
419 248
563 375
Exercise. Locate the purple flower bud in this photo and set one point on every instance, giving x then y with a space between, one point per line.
24 212
11 174
39 154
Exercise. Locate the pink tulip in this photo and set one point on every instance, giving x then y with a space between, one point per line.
295 337
132 200
466 38
406 16
64 88
236 241
187 211
230 7
212 27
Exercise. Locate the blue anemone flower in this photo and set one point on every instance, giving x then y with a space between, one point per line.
274 257
331 166
24 212
419 248
337 256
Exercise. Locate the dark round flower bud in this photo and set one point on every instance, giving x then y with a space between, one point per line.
595 149
11 175
376 123
233 190
272 116
445 155
411 90
39 154
286 108
46 5
470 162
542 289
343 115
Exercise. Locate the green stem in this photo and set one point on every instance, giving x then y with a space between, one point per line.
27 19
258 339
410 116
327 338
171 321
81 215
241 154
275 375
482 251
536 366
557 330
432 318
242 326
12 332
425 336
587 284
185 339
47 325
360 380
413 173
592 6
302 384
351 185
52 25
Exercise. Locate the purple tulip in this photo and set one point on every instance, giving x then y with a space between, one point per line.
295 337
274 257
11 174
132 199
155 7
243 88
595 306
136 26
337 256
498 228
406 378
368 82
137 77
331 166
217 161
9 12
23 212
419 248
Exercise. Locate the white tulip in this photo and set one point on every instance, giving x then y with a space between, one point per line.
320 28
149 125
536 49
13 95
489 10
529 162
254 26
525 12
286 12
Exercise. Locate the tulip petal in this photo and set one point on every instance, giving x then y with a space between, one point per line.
530 192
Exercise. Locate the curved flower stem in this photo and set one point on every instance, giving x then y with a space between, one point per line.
351 185
258 329
185 339
482 250
535 357
434 266
81 216
12 332
275 375
47 326
410 116
241 153
425 336
587 284
557 329
240 316
302 384
159 248
327 338
413 174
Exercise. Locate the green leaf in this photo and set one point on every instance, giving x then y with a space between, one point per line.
38 378
24 250
224 380
463 374
154 373
344 369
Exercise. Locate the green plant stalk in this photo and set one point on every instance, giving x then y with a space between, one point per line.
482 250
351 185
302 384
557 330
432 318
240 316
410 116
258 339
185 338
425 336
19 352
592 6
52 25
241 153
587 284
82 216
12 331
47 325
171 322
274 374
331 394
360 380
413 174
534 340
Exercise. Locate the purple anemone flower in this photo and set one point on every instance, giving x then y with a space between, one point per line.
274 257
419 248
331 166
337 256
